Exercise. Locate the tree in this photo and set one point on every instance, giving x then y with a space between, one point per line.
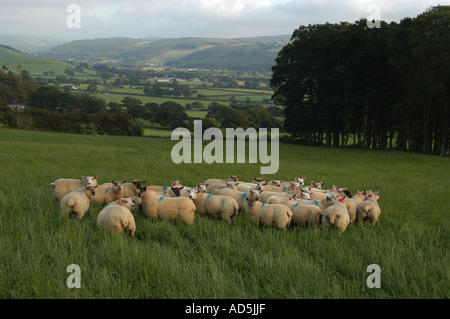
171 115
69 72
92 88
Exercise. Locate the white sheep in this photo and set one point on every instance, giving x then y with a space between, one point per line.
267 214
211 188
77 202
336 216
215 205
323 203
306 215
237 195
63 186
265 195
117 216
352 203
168 208
185 191
133 188
232 178
108 193
369 209
316 185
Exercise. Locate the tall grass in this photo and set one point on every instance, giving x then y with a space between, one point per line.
213 259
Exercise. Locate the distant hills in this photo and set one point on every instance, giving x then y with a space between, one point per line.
256 54
247 54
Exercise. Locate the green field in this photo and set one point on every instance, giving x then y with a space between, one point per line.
214 259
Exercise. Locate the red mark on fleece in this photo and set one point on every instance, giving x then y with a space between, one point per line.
370 195
290 198
341 200
149 189
174 184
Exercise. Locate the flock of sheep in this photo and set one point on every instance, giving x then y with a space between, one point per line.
274 203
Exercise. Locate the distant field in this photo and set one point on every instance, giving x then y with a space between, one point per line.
37 66
214 259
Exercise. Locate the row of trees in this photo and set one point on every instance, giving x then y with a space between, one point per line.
386 87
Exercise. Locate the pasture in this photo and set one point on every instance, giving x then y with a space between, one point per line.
214 259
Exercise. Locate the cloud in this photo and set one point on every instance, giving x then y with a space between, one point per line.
182 18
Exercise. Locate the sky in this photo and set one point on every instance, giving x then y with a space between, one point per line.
90 19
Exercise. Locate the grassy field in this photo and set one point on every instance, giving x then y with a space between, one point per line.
213 259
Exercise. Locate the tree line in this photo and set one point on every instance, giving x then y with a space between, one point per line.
385 87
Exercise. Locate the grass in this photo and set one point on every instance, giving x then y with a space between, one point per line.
213 259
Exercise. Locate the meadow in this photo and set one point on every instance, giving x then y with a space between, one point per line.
213 259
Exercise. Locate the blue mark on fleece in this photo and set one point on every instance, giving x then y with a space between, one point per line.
244 195
223 202
262 204
295 205
209 196
112 204
161 198
107 190
316 202
371 200
78 191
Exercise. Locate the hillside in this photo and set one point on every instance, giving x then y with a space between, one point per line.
16 61
256 54
29 43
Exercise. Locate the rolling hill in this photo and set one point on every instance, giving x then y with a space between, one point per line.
256 54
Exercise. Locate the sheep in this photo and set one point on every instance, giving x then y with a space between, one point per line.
369 209
267 214
260 180
132 189
265 195
77 202
215 205
211 188
117 216
316 185
185 191
323 203
275 183
320 195
337 216
233 178
168 208
237 195
306 215
64 186
108 193
169 191
282 200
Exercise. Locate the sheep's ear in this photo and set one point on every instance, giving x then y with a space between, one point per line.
84 177
95 177
133 198
124 181
206 184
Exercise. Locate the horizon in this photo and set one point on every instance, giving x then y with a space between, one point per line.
227 19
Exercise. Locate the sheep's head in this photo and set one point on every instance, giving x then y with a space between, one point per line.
234 178
331 200
90 181
373 196
177 183
305 195
202 188
137 184
128 202
252 197
276 183
143 190
294 185
90 191
118 186
317 185
231 185
301 181
176 190
260 180
193 194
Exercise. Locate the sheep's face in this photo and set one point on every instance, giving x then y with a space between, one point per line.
194 194
301 181
90 190
234 178
260 180
137 184
176 190
305 196
117 186
317 185
331 200
90 181
201 188
294 185
276 183
128 202
251 198
232 185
